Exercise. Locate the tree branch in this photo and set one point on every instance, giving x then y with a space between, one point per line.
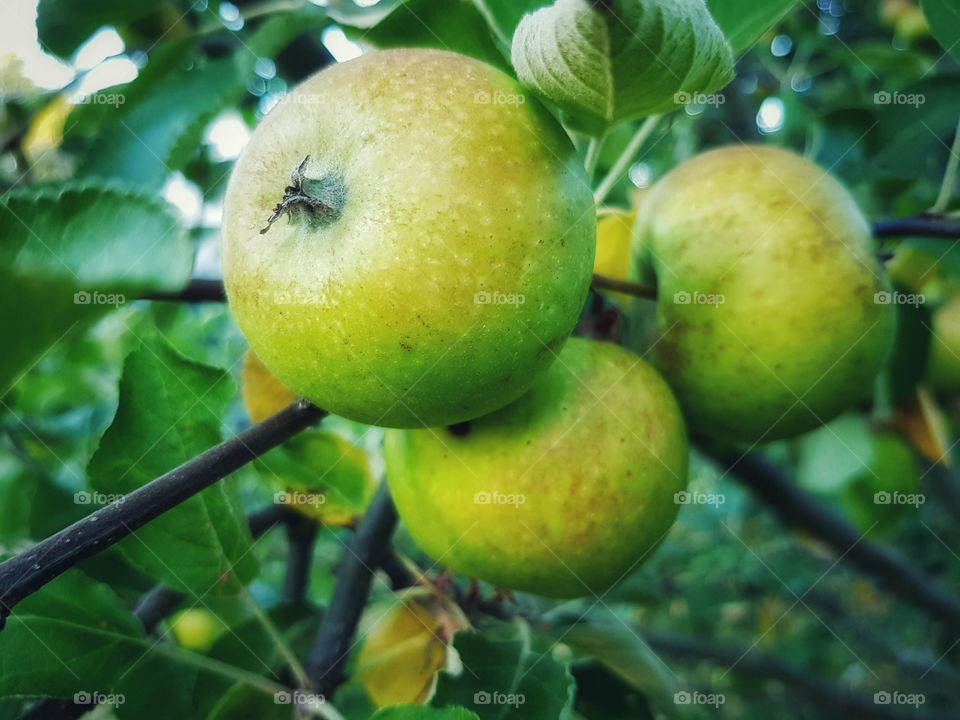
197 290
301 539
802 510
600 282
28 572
365 552
923 225
831 698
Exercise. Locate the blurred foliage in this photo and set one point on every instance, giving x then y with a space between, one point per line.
124 185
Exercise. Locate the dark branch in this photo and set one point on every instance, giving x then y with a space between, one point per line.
28 572
301 539
802 510
833 700
195 291
599 282
365 552
918 226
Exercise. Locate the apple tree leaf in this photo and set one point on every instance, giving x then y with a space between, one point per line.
745 21
504 15
169 411
505 677
156 129
627 656
72 636
454 25
944 19
74 252
605 62
416 712
63 25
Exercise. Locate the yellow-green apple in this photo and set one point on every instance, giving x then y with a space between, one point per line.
772 307
561 493
408 239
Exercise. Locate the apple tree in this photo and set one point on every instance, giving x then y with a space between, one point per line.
479 360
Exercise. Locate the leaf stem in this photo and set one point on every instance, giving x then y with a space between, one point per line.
593 154
626 157
950 176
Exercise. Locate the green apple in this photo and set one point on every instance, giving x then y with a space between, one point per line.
563 492
771 304
196 628
943 362
433 246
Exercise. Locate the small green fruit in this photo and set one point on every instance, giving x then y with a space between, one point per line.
561 493
196 628
770 304
431 252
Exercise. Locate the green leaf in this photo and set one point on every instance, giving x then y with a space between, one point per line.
159 130
504 678
745 21
70 254
63 25
607 62
170 410
416 712
241 702
627 656
944 19
504 15
454 25
72 636
329 475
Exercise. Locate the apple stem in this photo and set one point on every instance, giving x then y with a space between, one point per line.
320 200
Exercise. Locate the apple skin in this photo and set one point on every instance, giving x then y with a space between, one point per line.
943 361
597 450
451 181
799 336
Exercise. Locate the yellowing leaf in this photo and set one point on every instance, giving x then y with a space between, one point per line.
613 248
263 395
46 128
403 649
921 423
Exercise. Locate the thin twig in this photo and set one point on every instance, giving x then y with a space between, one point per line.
626 157
363 555
27 572
802 510
600 282
197 290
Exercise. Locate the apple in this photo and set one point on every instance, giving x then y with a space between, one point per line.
771 304
263 395
196 628
563 492
613 249
943 362
432 248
